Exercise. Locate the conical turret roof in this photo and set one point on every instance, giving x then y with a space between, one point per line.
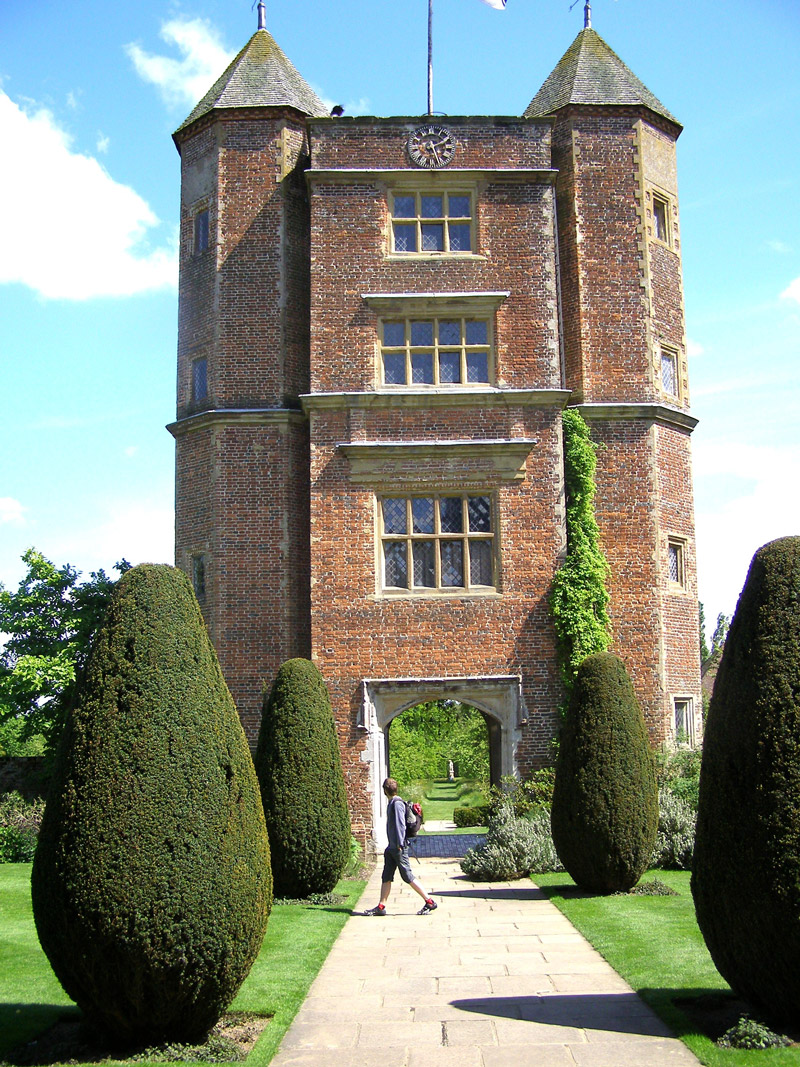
591 73
260 76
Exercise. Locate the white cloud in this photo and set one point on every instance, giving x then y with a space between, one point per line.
751 506
103 143
694 348
140 533
792 291
780 247
182 82
11 511
88 241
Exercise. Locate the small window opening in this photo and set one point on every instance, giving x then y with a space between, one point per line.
676 562
660 219
669 371
199 379
201 232
199 576
684 718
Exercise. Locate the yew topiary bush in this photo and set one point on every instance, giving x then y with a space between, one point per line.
151 883
299 768
746 869
605 802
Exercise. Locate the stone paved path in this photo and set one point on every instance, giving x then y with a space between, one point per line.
496 977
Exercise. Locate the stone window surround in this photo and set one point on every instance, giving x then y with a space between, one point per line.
688 714
676 550
431 305
439 538
418 188
661 207
468 359
672 353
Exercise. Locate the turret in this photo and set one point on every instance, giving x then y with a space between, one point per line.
243 343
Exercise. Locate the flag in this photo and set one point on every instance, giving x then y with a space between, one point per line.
498 5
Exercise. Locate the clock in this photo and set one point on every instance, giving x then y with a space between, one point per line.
431 147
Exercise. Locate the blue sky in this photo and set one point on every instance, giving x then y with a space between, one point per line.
89 95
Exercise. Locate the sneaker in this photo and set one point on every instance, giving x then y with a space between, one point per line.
428 907
379 909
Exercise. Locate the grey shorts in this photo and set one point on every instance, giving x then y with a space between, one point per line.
396 859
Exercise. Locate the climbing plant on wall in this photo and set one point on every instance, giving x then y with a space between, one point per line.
579 597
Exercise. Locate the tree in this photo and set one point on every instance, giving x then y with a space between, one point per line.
705 651
579 598
720 633
151 883
605 802
299 769
746 869
425 738
49 622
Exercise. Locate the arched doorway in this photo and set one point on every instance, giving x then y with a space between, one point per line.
499 698
439 755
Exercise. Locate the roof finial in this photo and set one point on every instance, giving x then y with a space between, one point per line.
587 15
262 15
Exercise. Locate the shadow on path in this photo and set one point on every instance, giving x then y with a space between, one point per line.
622 1013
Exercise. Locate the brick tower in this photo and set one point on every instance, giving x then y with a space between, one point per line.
625 360
381 320
241 440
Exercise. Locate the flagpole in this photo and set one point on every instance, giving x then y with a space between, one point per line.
430 57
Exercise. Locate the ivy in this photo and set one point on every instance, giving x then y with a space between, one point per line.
579 597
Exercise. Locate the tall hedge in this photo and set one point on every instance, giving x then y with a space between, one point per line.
746 870
299 768
605 802
151 883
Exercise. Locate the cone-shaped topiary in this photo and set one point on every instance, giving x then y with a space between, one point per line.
746 869
299 768
605 802
151 884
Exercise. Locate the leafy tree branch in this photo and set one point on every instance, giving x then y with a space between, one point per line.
48 623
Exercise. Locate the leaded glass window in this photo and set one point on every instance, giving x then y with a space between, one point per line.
446 350
431 223
669 371
439 542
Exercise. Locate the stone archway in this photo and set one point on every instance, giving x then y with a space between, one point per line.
499 697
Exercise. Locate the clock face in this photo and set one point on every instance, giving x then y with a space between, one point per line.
431 147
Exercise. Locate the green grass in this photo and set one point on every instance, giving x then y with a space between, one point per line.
440 796
458 830
297 943
656 945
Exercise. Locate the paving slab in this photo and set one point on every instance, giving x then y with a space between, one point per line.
495 977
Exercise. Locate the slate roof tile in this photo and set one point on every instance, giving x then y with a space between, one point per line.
260 76
590 72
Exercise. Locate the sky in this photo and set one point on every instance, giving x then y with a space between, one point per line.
90 93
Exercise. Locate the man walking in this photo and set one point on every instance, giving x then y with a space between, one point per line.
395 856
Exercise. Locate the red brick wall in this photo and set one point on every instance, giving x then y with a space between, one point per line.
358 633
242 481
277 308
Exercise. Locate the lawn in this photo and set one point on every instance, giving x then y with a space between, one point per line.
441 795
297 942
655 944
